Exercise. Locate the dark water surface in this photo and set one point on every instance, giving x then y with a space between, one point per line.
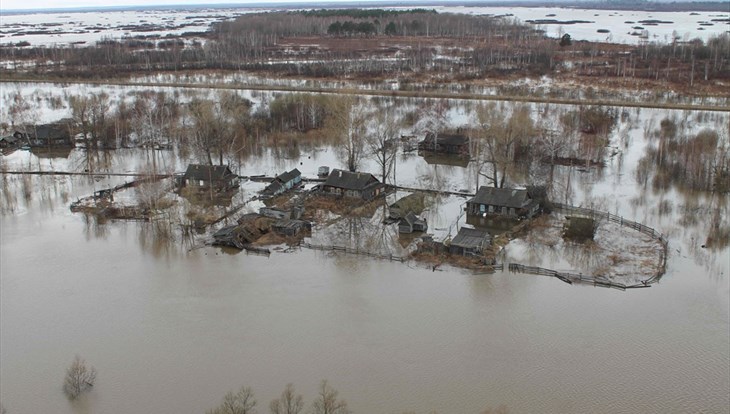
171 330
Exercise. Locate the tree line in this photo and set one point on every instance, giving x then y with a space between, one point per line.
496 46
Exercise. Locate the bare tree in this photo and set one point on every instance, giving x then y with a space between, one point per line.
22 116
381 141
499 138
219 127
242 402
327 402
79 378
347 121
288 403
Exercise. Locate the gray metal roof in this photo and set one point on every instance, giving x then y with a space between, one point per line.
503 197
208 172
471 238
350 180
447 139
285 177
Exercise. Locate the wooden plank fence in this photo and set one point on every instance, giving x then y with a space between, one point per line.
350 250
566 208
571 278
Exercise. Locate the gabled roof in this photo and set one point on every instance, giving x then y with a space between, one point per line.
50 131
208 172
9 138
447 139
350 180
503 197
470 238
411 219
285 177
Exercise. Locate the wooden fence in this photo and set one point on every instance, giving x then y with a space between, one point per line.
350 250
565 208
571 278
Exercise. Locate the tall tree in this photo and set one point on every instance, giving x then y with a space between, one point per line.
327 402
289 403
381 141
347 121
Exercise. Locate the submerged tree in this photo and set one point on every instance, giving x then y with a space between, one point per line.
499 139
79 378
347 120
382 143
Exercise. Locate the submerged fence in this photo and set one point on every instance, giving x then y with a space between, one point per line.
350 250
565 208
571 278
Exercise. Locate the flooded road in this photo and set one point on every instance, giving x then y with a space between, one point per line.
171 330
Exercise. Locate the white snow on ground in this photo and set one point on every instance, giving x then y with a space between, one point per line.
618 253
65 28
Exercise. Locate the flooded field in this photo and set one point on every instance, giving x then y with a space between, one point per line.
171 325
88 27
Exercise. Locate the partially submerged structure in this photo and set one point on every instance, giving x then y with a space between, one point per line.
217 178
456 144
280 214
507 202
414 202
231 236
469 242
352 184
411 224
56 134
9 141
292 228
283 182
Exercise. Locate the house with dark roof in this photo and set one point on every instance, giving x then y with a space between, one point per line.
207 177
283 182
9 141
507 202
445 144
411 223
469 241
57 134
352 184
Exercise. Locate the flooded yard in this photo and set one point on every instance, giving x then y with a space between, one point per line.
171 324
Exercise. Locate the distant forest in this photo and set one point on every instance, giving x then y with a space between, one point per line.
378 43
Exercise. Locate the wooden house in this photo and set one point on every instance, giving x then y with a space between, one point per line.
9 141
411 223
352 184
57 134
292 227
457 144
469 242
283 182
207 177
507 202
231 236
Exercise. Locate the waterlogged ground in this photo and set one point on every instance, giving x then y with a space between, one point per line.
144 305
65 28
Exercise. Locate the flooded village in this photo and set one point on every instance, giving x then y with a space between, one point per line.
428 227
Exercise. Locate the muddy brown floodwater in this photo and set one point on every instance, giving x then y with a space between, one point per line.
171 330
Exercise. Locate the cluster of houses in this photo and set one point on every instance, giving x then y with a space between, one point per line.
488 202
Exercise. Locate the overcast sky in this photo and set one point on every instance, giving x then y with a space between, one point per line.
55 4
